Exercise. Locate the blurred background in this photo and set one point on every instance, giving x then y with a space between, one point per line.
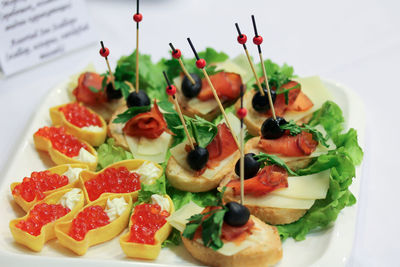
355 43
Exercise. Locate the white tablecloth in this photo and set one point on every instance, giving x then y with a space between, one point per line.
356 43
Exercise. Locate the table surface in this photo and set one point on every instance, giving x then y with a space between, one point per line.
356 43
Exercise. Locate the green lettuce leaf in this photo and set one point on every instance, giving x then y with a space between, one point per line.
150 75
325 211
341 162
108 153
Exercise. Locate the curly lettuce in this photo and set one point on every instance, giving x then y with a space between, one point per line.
108 153
341 162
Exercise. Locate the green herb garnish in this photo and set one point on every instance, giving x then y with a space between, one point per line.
266 159
130 113
295 129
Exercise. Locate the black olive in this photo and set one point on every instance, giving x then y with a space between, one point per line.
188 88
137 99
112 93
261 102
271 129
251 166
197 158
237 214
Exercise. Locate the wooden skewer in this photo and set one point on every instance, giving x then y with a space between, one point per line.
257 41
271 103
137 59
178 109
201 64
138 18
105 54
241 163
176 53
220 106
242 38
241 113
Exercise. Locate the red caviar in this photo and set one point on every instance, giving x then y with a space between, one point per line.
112 180
90 218
39 182
67 144
80 116
147 219
41 215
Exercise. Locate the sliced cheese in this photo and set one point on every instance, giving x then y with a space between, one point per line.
180 155
149 149
275 201
314 186
237 65
179 218
315 91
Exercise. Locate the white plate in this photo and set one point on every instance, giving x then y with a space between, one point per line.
329 247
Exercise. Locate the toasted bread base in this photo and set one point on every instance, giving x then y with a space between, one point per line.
269 215
114 129
252 147
182 179
263 254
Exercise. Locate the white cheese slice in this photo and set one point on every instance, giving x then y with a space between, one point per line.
149 149
275 201
238 65
179 218
71 198
115 208
180 155
314 186
315 91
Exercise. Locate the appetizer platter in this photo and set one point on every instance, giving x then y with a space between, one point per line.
186 161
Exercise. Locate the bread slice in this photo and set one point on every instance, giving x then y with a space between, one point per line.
266 252
294 163
269 215
114 130
184 178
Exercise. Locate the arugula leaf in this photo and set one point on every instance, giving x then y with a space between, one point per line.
174 124
202 130
130 113
212 229
166 106
267 159
108 153
297 129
